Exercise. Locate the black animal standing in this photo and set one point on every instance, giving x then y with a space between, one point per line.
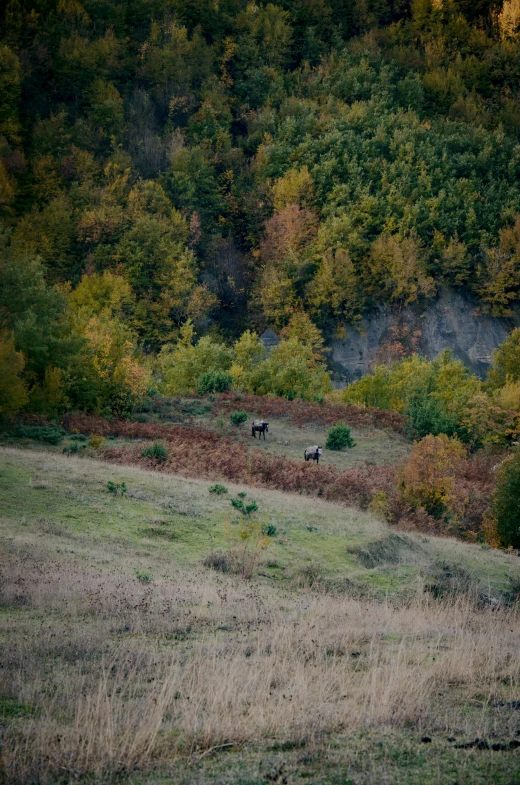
313 453
260 427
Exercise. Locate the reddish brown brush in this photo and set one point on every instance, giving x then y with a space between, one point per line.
303 412
194 452
193 457
90 424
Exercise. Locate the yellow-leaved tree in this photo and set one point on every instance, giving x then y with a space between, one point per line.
13 390
119 377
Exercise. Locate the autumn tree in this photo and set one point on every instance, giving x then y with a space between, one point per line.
428 479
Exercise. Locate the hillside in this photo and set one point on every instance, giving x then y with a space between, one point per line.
236 165
124 657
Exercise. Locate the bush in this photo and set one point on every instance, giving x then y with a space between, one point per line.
214 381
339 437
506 502
245 509
51 434
143 577
221 562
238 418
96 441
116 488
218 489
157 452
269 530
427 416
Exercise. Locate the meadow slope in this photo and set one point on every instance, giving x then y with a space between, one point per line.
123 656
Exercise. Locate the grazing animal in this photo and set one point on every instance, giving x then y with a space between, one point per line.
260 426
313 453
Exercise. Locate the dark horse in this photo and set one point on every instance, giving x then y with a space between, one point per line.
261 426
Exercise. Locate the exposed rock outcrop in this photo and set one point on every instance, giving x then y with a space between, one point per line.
452 321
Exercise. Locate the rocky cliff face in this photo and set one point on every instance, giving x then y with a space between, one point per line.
452 321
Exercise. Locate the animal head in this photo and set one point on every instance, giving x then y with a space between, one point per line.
266 425
319 450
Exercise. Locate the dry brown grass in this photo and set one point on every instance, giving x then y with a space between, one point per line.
121 675
303 412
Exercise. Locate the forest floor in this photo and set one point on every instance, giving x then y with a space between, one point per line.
128 655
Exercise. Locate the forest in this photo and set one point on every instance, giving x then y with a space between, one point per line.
177 175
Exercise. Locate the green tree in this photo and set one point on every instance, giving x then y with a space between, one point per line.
506 362
180 366
506 502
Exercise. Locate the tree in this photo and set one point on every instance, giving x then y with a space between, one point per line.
248 355
335 290
295 187
428 479
505 508
180 366
13 389
291 371
506 362
301 327
395 269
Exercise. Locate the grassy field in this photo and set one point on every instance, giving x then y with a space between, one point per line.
287 439
124 657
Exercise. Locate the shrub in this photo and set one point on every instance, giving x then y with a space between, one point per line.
238 418
51 434
157 452
221 562
245 509
143 577
339 437
428 479
96 441
269 529
427 416
116 488
214 381
218 489
506 502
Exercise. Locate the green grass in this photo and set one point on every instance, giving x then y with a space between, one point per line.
99 574
178 519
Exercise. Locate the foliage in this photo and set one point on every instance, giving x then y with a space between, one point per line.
506 362
238 418
214 381
117 488
156 452
436 395
50 434
218 489
180 367
96 441
243 507
229 165
13 389
428 479
505 508
339 437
